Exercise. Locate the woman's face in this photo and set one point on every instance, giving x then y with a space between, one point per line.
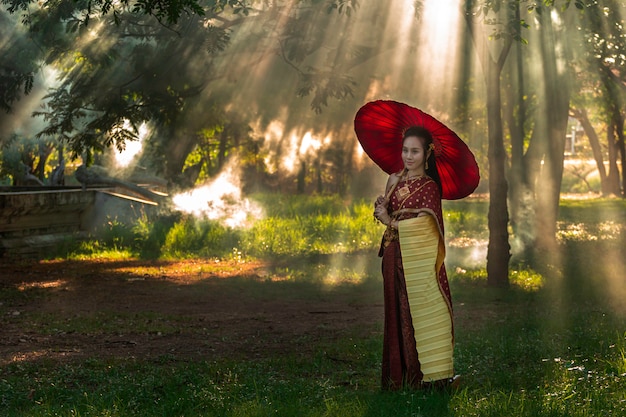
413 154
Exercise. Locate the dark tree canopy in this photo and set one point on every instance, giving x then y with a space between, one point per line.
210 77
168 64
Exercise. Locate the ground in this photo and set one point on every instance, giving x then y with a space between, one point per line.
205 309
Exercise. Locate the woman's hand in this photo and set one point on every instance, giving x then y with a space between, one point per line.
381 214
381 200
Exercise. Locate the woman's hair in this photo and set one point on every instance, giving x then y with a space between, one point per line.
427 139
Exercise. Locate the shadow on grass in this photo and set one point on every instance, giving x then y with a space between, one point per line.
558 350
299 336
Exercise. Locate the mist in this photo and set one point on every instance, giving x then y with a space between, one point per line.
278 88
286 81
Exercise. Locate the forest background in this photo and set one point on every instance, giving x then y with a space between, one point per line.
255 289
276 86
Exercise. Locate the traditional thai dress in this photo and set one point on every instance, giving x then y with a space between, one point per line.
418 330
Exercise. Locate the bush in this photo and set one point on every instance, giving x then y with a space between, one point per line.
193 237
326 229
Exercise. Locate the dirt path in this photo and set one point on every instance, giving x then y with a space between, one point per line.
202 309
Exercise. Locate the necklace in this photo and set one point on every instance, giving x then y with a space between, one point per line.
404 190
414 177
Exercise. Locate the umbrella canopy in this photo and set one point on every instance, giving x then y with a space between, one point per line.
379 126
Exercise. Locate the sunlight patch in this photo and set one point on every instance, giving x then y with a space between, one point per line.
190 271
338 276
527 280
29 356
524 279
608 230
41 284
574 231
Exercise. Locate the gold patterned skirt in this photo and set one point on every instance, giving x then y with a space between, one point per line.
421 256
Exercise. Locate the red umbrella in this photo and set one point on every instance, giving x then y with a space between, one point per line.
379 126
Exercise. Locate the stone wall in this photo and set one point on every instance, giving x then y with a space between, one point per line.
34 219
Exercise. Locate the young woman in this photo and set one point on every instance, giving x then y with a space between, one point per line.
418 330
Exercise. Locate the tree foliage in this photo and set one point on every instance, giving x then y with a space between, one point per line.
82 11
124 64
184 68
536 107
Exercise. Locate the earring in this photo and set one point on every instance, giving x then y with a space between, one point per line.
426 164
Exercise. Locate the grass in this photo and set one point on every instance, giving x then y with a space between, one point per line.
521 353
548 346
292 226
295 225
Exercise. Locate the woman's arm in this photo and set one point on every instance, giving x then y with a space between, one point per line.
381 211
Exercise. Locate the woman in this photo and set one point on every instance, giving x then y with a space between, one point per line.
418 331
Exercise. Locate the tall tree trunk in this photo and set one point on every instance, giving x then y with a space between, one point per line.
344 170
582 117
609 28
613 175
622 150
616 138
498 249
318 169
554 116
516 120
301 179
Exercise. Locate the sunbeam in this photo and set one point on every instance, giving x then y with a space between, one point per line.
132 148
283 83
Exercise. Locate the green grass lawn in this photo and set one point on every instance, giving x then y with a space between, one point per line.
548 346
528 351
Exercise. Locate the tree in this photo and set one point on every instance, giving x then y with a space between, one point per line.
113 86
168 11
602 71
18 64
498 250
545 155
536 173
